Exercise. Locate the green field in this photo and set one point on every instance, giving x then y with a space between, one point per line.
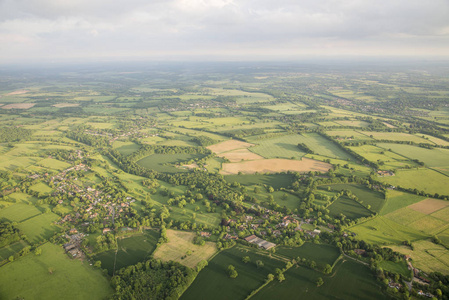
322 254
125 148
397 199
29 277
22 198
19 212
130 251
165 162
348 207
421 179
11 249
53 164
352 281
40 227
275 180
396 267
384 231
41 188
436 157
376 154
213 281
367 196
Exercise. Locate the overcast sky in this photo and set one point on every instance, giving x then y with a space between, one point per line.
220 29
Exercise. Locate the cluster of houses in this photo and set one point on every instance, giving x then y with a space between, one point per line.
73 246
384 173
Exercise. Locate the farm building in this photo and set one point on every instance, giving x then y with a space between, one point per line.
260 242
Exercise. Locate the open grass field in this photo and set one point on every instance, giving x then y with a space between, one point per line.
397 199
348 134
352 281
422 179
41 188
322 254
384 231
213 281
130 251
125 148
53 164
29 278
376 154
19 212
352 123
427 256
240 155
165 162
40 227
285 146
275 180
396 267
395 136
369 197
274 166
348 207
436 157
435 140
179 242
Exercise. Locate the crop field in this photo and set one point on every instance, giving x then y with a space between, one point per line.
442 214
427 256
280 147
40 227
181 242
348 207
19 212
165 162
422 179
130 251
436 157
397 199
29 277
369 197
213 281
274 166
383 231
351 281
429 206
322 254
275 180
229 145
240 155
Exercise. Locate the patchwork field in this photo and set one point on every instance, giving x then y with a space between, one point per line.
229 145
351 281
397 199
213 281
274 166
179 243
240 155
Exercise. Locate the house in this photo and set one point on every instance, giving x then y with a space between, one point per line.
360 252
106 230
250 238
205 234
73 231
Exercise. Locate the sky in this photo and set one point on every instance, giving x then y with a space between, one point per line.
70 30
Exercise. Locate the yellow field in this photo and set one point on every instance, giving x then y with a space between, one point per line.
239 155
429 206
19 106
275 165
229 145
179 242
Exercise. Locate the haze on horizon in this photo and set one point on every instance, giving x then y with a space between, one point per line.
53 30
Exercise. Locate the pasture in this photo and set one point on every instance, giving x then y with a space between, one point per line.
19 212
383 231
41 188
213 281
29 277
422 179
427 256
274 166
435 157
395 136
166 162
11 249
125 148
181 242
40 227
130 250
348 207
53 164
322 254
275 180
376 154
367 196
397 199
350 281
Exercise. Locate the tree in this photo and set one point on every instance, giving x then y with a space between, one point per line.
232 272
246 259
38 251
281 277
259 264
319 282
97 264
51 270
327 269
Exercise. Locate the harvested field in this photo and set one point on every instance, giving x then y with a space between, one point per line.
275 166
429 206
229 146
61 105
240 154
19 106
181 242
19 92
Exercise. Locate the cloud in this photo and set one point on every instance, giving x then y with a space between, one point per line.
221 27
